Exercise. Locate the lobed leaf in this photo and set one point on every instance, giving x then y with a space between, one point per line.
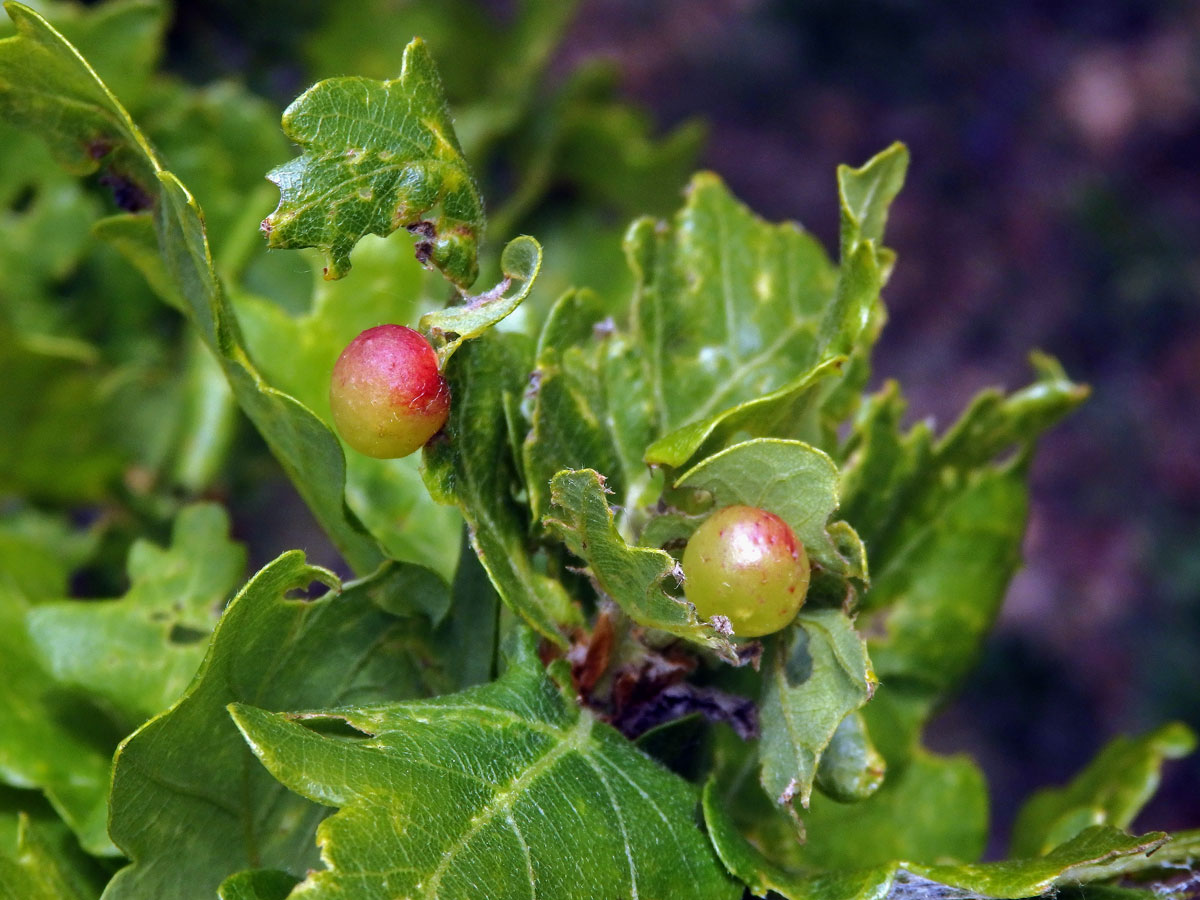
378 156
744 322
189 807
944 521
509 785
896 483
739 327
136 655
727 307
631 576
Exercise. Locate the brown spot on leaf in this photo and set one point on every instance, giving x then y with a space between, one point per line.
425 228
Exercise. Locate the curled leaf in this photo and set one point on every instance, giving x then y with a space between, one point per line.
520 262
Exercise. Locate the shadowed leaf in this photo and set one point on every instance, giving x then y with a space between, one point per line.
189 805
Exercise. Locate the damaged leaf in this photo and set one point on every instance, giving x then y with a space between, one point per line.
378 156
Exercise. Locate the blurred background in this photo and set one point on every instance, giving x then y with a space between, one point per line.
1053 202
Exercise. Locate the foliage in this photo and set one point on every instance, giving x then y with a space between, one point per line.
512 696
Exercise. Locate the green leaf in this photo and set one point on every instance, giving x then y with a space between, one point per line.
943 593
866 193
855 318
776 413
851 769
470 465
520 262
49 739
1111 791
568 428
734 311
189 805
379 155
258 884
39 552
1097 854
632 576
944 521
1094 854
730 317
727 307
47 86
895 484
137 654
297 354
747 863
509 785
817 674
42 867
791 479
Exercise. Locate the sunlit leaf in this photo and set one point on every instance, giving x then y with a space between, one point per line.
791 479
378 156
509 785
